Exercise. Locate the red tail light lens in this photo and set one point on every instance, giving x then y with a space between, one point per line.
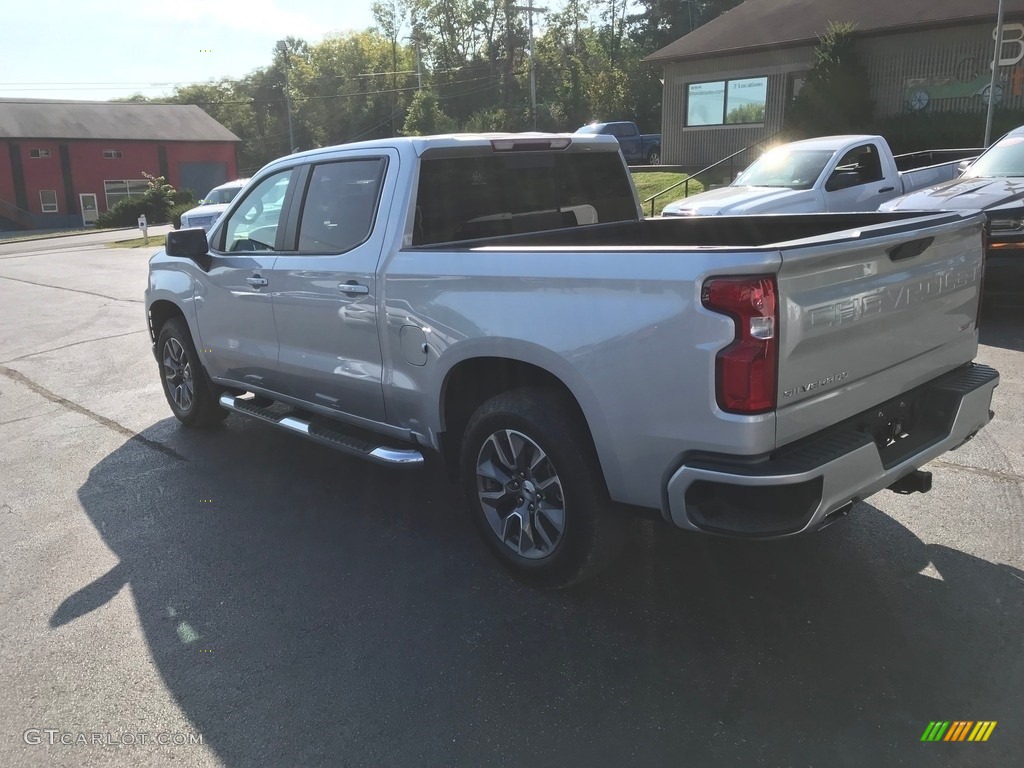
745 371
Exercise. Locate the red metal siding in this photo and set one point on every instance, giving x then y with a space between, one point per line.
42 173
6 173
89 169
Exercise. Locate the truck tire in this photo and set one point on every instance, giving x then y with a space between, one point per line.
654 157
185 383
535 490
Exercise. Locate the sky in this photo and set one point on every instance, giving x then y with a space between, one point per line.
113 48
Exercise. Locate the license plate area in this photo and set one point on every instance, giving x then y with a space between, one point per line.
904 426
893 421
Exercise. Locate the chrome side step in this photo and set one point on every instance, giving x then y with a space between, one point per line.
283 416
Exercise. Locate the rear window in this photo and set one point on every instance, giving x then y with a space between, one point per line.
220 196
466 198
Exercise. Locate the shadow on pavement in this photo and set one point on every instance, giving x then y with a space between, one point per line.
1002 327
307 609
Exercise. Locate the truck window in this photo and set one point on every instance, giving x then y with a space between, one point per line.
465 198
340 205
862 161
252 226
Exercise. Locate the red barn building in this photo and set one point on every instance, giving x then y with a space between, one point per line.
64 162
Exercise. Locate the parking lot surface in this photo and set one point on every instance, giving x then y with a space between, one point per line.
289 606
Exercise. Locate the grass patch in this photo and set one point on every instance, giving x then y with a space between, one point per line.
155 241
651 182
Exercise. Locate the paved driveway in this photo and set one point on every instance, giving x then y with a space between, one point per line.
293 607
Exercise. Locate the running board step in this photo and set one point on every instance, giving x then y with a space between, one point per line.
282 416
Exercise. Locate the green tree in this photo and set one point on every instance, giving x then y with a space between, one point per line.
425 116
836 97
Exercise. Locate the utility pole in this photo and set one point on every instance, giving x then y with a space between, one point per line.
530 10
415 37
282 46
995 68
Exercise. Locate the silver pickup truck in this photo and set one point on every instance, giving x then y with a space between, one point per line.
498 302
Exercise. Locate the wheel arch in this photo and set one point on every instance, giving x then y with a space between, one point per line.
160 311
472 381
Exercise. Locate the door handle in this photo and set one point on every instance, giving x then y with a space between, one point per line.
887 189
910 249
257 281
353 288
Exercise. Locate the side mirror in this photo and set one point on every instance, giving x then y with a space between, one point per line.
963 165
190 244
842 180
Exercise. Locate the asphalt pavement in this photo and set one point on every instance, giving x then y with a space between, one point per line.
288 606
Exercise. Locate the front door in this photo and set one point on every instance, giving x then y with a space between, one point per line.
233 301
858 182
325 292
89 211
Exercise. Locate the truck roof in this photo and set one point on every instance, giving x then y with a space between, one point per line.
834 142
419 144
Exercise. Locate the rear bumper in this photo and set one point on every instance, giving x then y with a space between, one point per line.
795 489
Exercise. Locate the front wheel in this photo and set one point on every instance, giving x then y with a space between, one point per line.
185 384
535 490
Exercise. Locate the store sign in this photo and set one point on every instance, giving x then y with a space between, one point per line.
1013 34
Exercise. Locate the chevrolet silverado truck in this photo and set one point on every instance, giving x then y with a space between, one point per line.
995 184
498 306
636 147
831 174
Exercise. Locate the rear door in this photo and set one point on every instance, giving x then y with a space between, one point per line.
325 287
629 141
869 313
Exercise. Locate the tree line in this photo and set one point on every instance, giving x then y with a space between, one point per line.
429 66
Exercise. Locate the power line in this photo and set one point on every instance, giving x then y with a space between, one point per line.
253 102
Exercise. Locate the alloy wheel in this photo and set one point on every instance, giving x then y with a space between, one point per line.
178 374
520 494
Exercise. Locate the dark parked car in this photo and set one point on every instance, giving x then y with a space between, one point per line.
995 184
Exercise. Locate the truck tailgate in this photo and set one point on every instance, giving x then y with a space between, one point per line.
867 314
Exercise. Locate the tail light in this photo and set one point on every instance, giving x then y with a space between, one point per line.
745 371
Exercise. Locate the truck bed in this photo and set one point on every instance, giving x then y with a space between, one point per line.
703 232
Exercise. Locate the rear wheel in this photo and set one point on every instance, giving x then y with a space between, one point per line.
185 383
535 490
654 157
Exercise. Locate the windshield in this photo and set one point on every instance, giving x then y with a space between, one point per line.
1004 158
593 128
784 167
221 196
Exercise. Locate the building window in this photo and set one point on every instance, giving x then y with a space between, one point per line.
111 154
116 191
48 200
727 102
39 154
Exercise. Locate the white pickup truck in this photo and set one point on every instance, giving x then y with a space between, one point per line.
833 174
498 303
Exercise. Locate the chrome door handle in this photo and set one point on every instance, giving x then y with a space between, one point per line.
352 287
256 281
